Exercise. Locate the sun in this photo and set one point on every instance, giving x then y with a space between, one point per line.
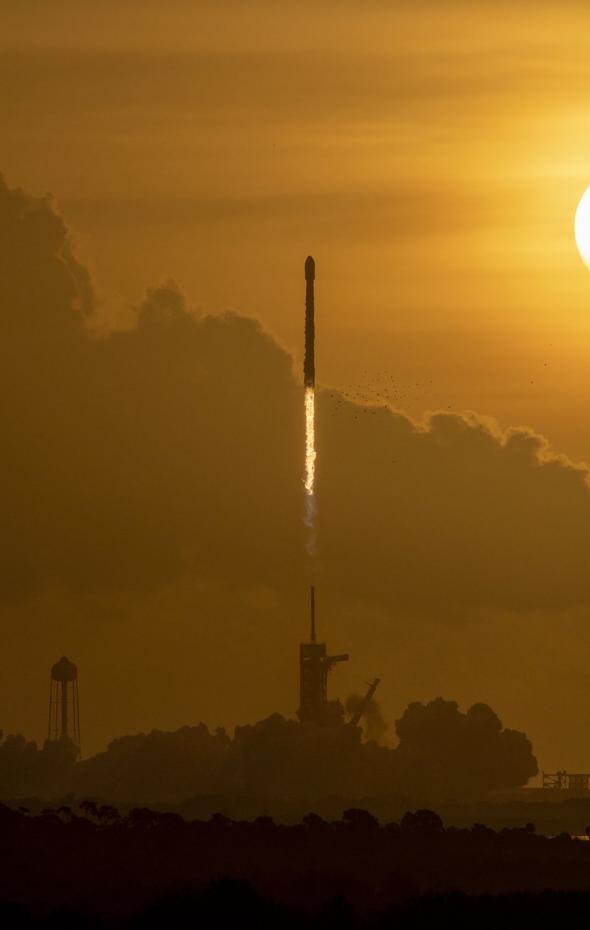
582 227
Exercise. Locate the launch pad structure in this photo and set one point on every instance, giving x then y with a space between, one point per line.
314 667
576 783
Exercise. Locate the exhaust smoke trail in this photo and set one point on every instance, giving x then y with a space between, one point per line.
309 382
310 456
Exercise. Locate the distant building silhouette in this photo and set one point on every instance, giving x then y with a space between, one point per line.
64 706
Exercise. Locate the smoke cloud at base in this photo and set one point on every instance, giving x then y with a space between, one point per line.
442 753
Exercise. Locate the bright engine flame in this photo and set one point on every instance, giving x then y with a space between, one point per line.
310 453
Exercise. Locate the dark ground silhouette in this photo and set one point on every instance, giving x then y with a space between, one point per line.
157 869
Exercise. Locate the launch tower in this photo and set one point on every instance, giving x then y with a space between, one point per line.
314 667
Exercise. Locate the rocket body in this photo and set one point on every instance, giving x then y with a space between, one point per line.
309 358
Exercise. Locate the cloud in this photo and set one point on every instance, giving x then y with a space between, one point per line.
309 90
174 449
449 513
404 213
151 499
444 752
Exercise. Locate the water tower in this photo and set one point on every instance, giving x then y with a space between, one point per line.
64 708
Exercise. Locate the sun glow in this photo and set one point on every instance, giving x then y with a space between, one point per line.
582 227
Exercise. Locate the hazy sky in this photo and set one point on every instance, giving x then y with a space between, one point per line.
430 155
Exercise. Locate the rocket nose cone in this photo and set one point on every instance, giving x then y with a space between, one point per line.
309 268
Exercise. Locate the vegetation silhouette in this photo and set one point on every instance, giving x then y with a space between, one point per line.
92 866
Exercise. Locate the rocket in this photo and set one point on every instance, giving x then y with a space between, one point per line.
309 358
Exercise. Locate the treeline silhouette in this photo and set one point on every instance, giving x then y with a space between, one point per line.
442 753
154 868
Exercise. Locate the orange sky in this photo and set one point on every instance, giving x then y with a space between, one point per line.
429 155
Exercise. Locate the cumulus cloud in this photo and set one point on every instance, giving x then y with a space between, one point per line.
446 753
452 511
133 458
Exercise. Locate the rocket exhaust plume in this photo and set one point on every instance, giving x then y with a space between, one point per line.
309 384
